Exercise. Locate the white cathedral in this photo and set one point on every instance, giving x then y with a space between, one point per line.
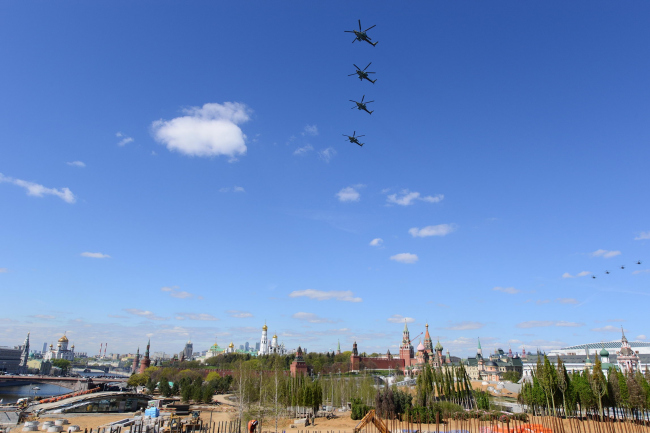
273 348
61 351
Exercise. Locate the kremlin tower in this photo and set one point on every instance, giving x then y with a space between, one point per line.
146 362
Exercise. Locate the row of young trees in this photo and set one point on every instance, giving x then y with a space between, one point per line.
449 384
555 391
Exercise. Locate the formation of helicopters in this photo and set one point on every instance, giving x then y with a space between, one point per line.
638 262
363 74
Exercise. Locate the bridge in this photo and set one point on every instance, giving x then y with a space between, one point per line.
72 383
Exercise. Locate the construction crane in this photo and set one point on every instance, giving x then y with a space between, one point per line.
415 337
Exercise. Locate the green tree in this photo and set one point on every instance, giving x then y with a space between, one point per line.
63 364
512 376
562 383
213 375
137 380
164 387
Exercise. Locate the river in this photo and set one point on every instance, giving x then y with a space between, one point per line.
10 394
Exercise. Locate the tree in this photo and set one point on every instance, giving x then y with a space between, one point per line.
512 376
562 383
63 364
150 385
213 375
164 387
137 380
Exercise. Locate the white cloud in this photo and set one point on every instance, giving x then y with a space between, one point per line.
311 318
38 190
566 301
310 130
437 230
641 271
608 328
143 313
3 270
76 164
643 236
405 258
348 194
508 290
175 292
605 254
211 130
465 326
302 151
396 318
327 154
124 139
43 316
239 314
320 295
95 255
579 274
641 337
542 301
547 323
193 316
406 198
238 189
376 242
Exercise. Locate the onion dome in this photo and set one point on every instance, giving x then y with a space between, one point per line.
51 346
63 339
604 352
420 347
231 345
438 346
275 335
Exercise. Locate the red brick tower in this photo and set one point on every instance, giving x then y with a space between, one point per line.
298 366
406 349
146 362
355 359
136 362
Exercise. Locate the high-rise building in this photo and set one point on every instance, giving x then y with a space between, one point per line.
257 346
246 346
241 347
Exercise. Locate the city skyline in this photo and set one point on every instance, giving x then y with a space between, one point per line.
180 172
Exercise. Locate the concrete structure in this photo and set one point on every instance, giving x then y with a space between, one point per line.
188 351
14 361
493 368
61 351
298 366
623 355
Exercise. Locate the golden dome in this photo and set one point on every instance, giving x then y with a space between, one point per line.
231 345
275 336
63 339
51 346
265 327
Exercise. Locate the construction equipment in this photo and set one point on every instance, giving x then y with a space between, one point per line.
371 418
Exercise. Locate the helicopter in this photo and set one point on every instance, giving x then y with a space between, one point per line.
362 105
354 138
607 272
638 262
622 266
593 276
361 34
363 75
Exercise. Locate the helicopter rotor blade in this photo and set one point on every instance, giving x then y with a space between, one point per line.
349 75
348 31
368 102
356 66
370 28
370 72
359 25
363 97
366 66
359 136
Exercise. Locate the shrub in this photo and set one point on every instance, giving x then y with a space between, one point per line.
359 410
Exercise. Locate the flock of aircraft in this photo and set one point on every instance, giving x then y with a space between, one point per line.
638 262
363 74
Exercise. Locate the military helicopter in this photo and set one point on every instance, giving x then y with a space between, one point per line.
362 105
593 276
622 266
363 75
607 272
638 262
361 34
354 138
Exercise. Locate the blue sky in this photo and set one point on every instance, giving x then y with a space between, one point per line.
175 171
